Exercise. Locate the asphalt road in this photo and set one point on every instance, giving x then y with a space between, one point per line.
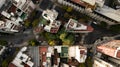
34 53
46 4
19 38
96 34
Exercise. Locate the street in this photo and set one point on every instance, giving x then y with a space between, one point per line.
34 53
96 34
19 38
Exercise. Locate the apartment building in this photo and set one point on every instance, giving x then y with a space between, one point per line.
22 59
76 27
111 48
52 56
52 25
101 63
14 11
96 9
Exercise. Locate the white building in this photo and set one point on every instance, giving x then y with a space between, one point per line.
100 3
76 27
13 12
78 52
25 5
111 48
53 27
22 58
10 25
109 12
101 63
50 15
111 15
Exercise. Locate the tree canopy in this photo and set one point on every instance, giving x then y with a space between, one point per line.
3 42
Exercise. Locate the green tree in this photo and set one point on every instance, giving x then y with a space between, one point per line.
103 24
27 23
33 42
62 36
3 42
52 42
35 22
115 28
69 9
64 7
6 62
67 39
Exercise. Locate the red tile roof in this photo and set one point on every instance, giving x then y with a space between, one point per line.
54 30
43 49
12 9
110 48
11 65
43 56
89 28
78 2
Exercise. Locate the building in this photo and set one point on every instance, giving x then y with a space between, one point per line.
2 48
109 13
85 3
15 11
52 56
78 52
101 63
76 27
10 26
94 12
100 3
43 53
20 8
111 48
53 25
22 59
50 15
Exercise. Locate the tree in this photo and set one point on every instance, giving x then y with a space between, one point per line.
66 42
64 7
51 42
27 23
69 9
66 15
62 36
50 36
3 42
33 42
6 62
35 22
67 39
115 28
103 24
